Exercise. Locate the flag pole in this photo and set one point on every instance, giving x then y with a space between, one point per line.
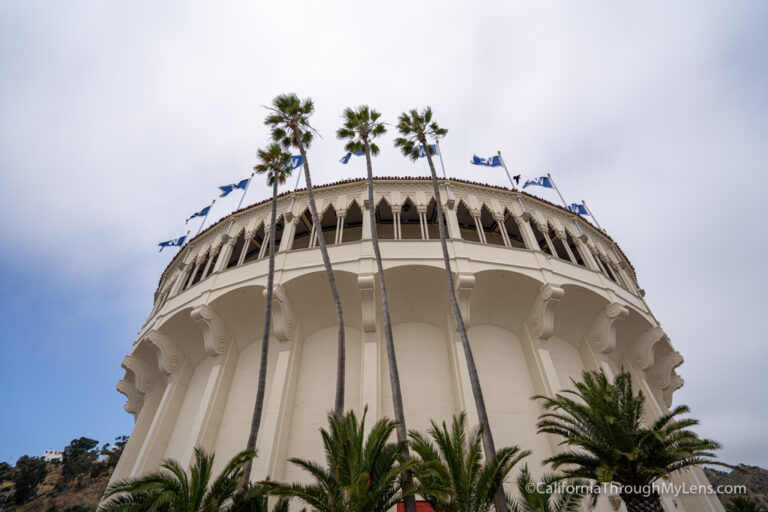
245 190
590 214
442 166
204 218
557 190
293 197
506 171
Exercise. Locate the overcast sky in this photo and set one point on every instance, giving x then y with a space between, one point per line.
119 119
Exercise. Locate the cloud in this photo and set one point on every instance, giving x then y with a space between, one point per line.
119 121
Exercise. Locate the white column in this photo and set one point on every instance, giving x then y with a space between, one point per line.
479 228
224 255
564 240
193 273
527 232
503 231
369 364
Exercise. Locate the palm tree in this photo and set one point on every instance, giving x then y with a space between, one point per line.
360 127
603 421
289 121
453 465
360 474
255 498
545 496
417 127
273 162
742 504
174 489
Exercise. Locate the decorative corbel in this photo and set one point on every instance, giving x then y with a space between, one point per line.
601 334
141 371
366 285
675 383
541 318
135 400
172 360
283 319
464 284
661 376
215 338
641 356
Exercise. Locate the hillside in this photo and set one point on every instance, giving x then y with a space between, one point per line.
53 496
753 477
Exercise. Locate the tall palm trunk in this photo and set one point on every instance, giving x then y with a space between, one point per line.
259 406
341 355
641 503
394 374
477 392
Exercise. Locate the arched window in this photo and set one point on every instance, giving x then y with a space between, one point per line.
574 249
303 231
353 223
410 222
279 230
558 243
513 231
385 227
467 226
433 227
328 224
541 241
234 256
198 270
491 228
253 249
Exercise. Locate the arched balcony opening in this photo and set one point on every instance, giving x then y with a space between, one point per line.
353 223
234 256
329 222
253 249
491 228
558 243
279 230
467 226
303 230
198 270
513 231
385 220
609 271
432 223
575 250
214 260
541 240
410 221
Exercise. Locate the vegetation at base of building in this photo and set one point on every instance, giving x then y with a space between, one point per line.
73 485
551 494
742 504
601 426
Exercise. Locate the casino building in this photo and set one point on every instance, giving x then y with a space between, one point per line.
544 294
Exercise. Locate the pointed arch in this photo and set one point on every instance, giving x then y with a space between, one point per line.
433 228
557 242
490 226
410 222
237 249
303 230
514 234
254 244
385 220
541 241
353 223
467 226
329 222
574 249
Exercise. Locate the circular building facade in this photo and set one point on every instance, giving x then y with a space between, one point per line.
544 296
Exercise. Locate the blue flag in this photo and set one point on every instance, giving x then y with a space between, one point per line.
345 158
493 161
577 208
177 242
201 213
226 189
541 181
295 162
423 153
